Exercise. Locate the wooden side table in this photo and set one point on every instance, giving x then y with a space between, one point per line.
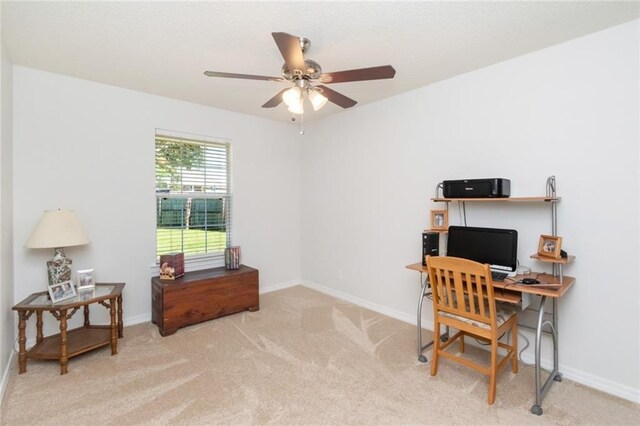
69 343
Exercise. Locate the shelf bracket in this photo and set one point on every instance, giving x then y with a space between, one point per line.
439 187
551 187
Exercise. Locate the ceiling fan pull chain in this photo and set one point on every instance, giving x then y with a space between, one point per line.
302 124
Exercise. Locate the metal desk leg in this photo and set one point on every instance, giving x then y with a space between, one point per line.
541 389
556 360
443 337
423 294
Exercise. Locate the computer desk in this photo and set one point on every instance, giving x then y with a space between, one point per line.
510 292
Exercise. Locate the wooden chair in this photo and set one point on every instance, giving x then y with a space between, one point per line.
463 299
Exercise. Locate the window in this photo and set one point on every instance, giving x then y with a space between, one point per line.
193 201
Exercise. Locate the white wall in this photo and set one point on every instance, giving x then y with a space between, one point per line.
90 147
6 216
571 111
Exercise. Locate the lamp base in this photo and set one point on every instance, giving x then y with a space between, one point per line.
59 268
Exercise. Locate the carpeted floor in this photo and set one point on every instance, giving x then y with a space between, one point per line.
304 358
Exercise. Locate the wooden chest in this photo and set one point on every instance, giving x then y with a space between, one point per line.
202 295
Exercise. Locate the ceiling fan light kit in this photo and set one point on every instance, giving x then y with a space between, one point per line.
303 72
292 96
297 108
317 99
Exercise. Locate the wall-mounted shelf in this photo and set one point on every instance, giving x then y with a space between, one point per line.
440 231
562 260
493 200
557 263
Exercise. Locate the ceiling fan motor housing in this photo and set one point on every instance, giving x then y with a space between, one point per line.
312 71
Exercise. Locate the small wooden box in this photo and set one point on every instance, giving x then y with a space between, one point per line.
171 266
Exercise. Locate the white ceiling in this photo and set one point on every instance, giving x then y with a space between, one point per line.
164 47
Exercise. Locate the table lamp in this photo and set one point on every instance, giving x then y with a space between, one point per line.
58 229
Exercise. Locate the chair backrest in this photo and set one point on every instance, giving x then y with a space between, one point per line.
462 287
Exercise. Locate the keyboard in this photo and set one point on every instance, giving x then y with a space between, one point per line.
498 276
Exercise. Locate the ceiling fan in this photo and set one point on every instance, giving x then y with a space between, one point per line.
305 73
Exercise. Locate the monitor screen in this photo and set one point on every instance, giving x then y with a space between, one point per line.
497 247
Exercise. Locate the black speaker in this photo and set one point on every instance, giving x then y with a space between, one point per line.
430 245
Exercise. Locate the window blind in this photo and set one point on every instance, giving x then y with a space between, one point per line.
193 199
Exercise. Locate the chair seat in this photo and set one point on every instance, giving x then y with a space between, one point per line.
503 314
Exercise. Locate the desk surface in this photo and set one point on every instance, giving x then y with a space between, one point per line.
567 282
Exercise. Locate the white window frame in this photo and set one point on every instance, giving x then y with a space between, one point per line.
202 260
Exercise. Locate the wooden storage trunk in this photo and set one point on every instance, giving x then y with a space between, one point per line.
202 295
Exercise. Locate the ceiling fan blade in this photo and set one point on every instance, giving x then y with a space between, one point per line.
275 101
291 51
374 73
337 98
244 76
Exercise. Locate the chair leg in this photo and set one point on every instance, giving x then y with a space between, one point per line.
493 372
514 343
462 343
436 349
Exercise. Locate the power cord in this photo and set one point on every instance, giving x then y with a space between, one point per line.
522 336
464 212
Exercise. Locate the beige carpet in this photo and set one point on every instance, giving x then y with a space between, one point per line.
304 358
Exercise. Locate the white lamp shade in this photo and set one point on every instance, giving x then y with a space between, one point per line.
297 109
292 96
317 99
57 229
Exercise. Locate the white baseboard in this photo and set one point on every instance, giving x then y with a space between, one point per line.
137 319
279 286
5 375
404 317
590 380
582 377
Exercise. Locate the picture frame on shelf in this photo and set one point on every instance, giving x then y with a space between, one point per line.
550 246
439 220
61 291
86 279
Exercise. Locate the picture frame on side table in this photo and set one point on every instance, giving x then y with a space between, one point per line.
439 220
550 246
85 279
61 291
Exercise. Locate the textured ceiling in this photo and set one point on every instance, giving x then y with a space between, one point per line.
164 47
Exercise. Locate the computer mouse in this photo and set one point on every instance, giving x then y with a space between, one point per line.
530 281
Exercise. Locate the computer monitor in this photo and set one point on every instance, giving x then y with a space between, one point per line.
497 247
